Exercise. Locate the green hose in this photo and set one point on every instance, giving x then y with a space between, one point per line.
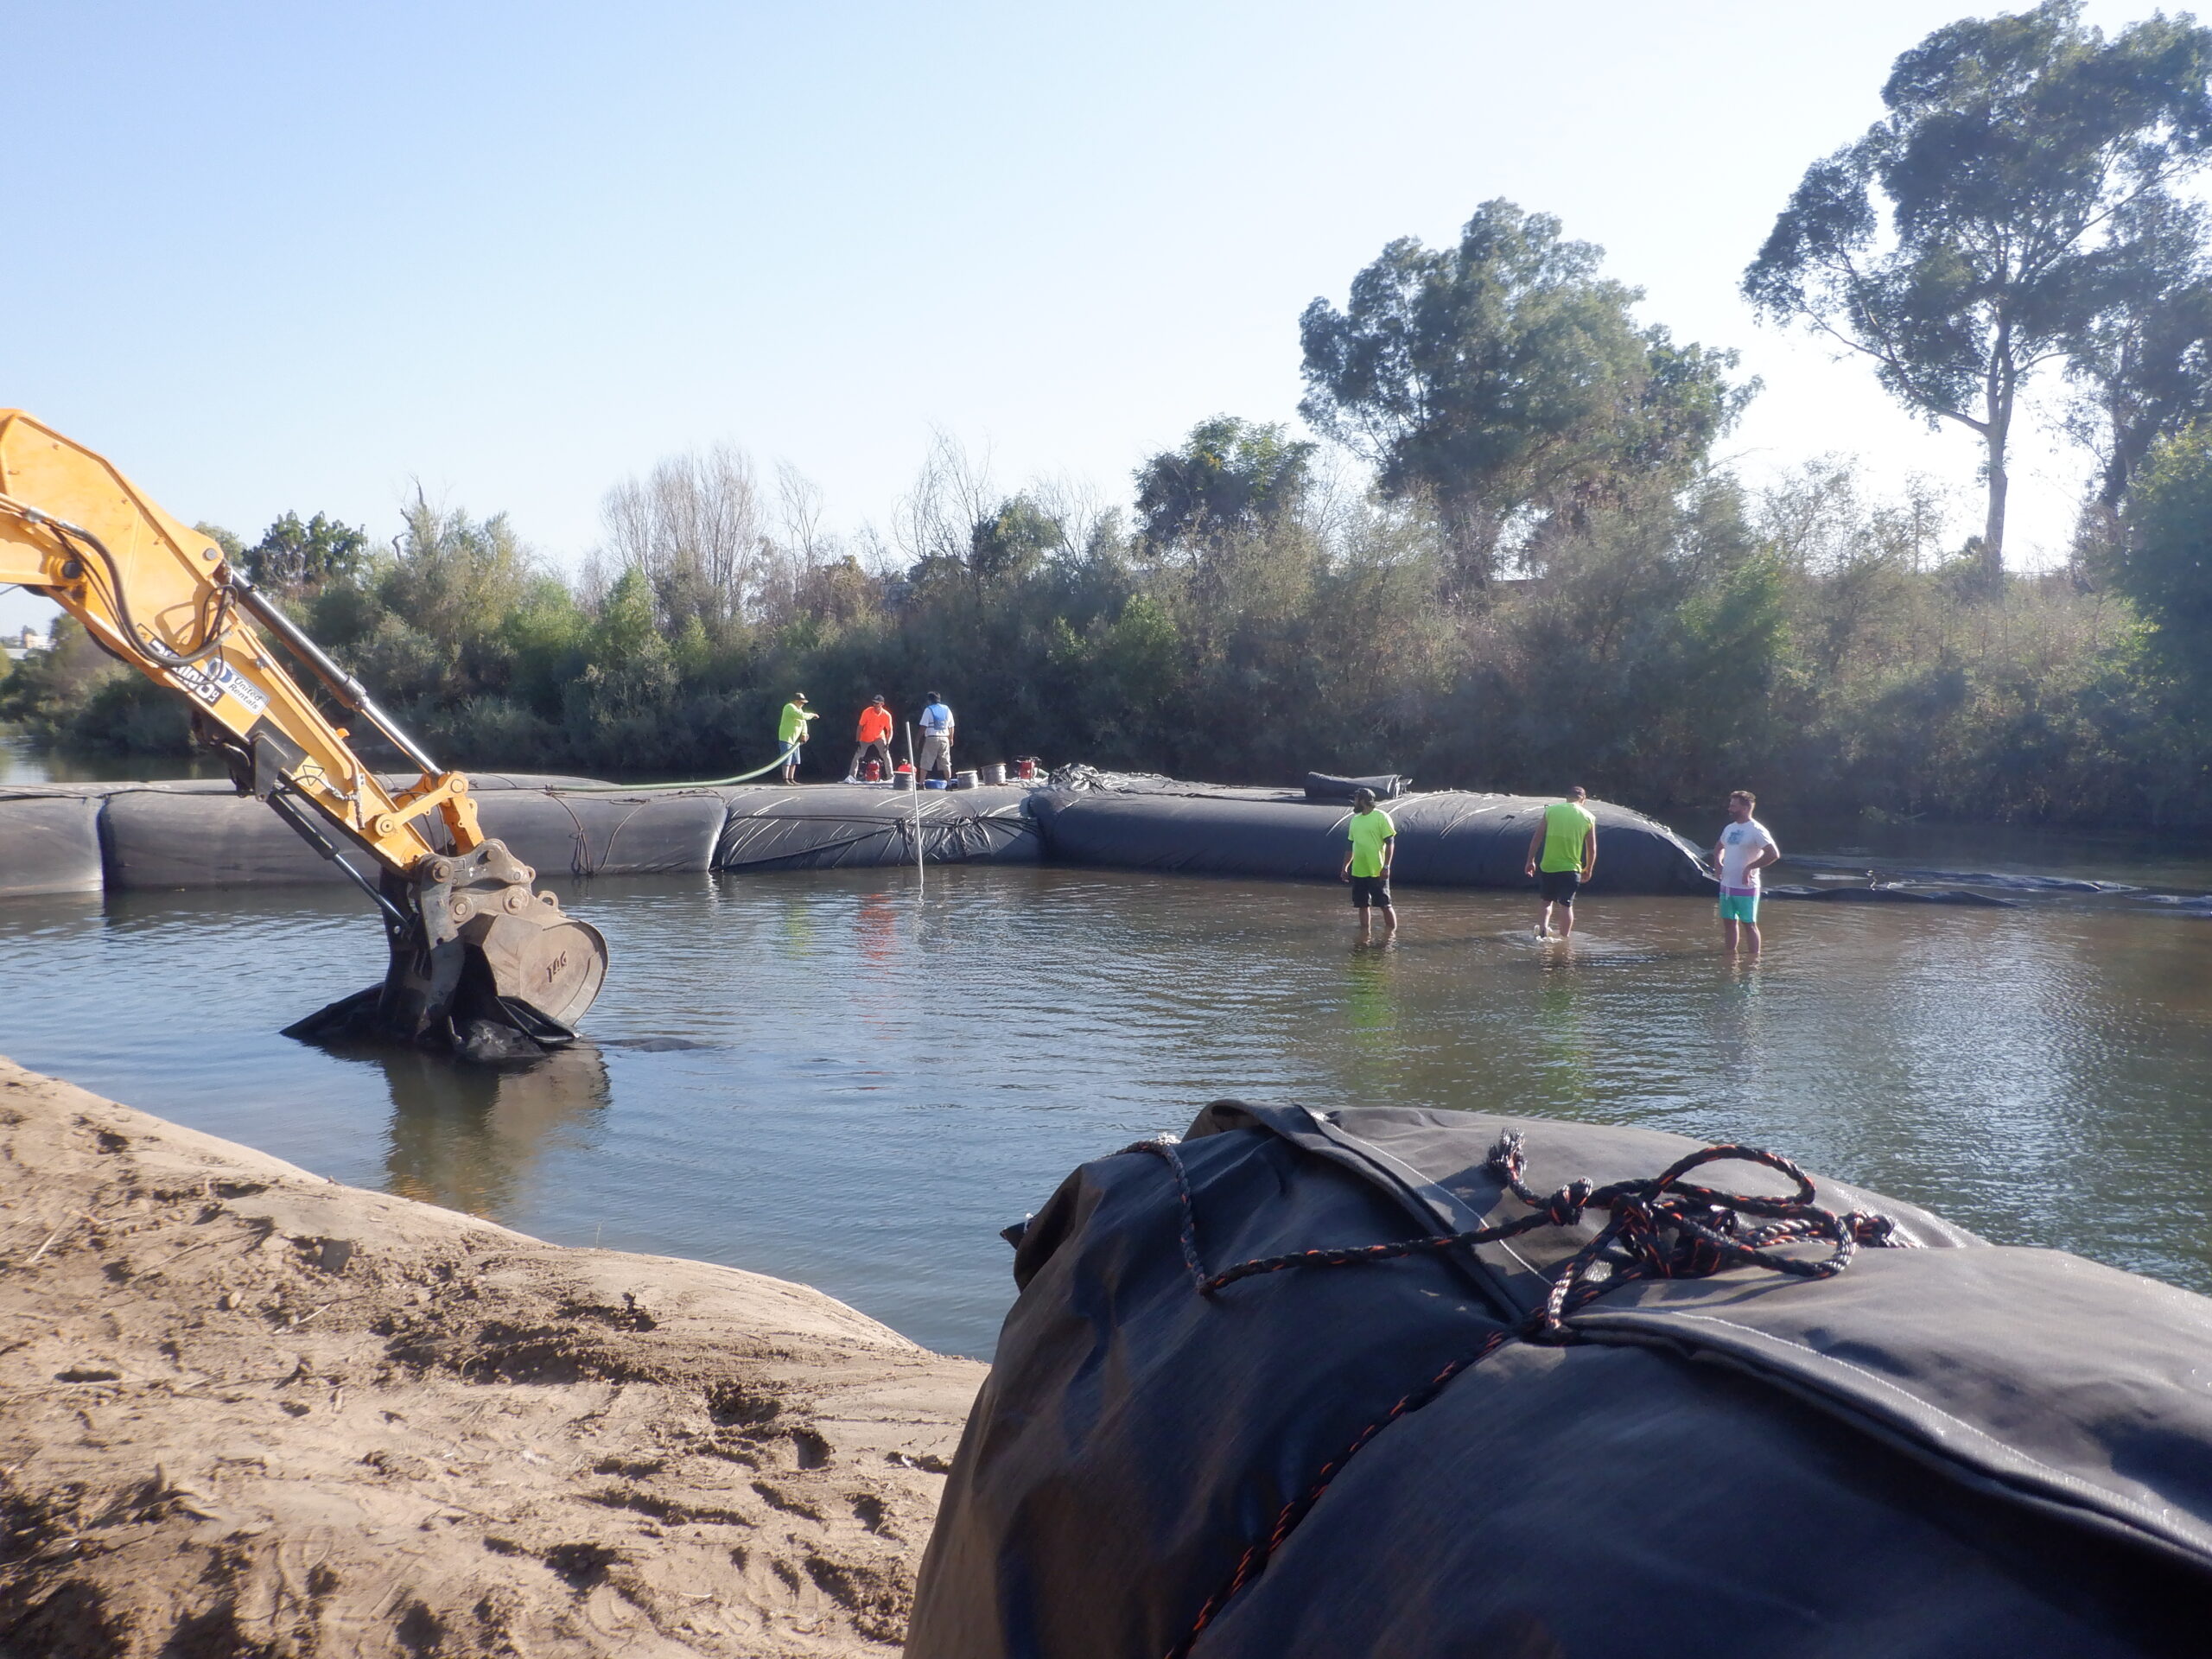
639 789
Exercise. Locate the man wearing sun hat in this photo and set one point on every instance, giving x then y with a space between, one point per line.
1367 862
790 732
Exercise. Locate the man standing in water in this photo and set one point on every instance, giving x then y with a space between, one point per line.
936 740
875 739
1367 865
1561 854
790 732
1744 848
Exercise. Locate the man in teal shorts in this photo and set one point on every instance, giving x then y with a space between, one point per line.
1367 865
1744 848
1561 854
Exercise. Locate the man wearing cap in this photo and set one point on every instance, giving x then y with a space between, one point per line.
875 739
1367 865
790 732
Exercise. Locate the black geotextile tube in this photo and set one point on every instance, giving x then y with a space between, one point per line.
200 833
49 844
563 836
1446 840
155 838
1947 1449
833 826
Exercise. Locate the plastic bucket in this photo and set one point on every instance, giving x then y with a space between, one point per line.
993 773
963 780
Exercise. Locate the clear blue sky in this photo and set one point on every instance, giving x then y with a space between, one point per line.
271 257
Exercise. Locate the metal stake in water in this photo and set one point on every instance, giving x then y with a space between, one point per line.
916 771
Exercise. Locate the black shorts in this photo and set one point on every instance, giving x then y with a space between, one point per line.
1371 892
1557 887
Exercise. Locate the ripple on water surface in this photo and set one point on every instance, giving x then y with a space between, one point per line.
829 1078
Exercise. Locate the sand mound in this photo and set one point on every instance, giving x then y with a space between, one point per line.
247 1411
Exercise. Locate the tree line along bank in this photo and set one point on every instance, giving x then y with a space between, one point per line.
1536 574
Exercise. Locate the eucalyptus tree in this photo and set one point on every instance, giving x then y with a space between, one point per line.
294 559
2142 362
1012 543
2168 570
1229 476
1503 379
1965 239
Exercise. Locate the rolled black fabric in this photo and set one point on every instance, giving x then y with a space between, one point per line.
1944 1449
1320 786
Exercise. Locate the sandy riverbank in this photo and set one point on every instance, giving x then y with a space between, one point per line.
245 1410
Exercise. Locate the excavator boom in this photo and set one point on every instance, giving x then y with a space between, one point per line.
479 960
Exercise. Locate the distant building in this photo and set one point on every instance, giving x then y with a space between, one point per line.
30 643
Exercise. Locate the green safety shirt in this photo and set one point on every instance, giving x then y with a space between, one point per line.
1566 826
793 723
1369 830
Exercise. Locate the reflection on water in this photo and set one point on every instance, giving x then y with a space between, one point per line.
831 1077
1368 1012
23 761
464 1137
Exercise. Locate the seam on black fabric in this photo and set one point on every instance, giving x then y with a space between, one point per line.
1649 1327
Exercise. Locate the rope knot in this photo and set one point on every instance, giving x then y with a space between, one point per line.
1564 1207
1880 1231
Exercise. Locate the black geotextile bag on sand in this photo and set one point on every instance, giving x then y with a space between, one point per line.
1520 1448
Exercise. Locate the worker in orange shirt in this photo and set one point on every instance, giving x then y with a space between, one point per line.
875 738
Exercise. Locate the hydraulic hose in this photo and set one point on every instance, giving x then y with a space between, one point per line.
75 539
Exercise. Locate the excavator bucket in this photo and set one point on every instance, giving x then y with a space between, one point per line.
482 964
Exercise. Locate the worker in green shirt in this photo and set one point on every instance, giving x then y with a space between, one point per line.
1367 865
790 732
1561 854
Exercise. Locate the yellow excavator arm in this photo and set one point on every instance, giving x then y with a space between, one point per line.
479 959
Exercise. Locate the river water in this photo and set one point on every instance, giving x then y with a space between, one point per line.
838 1077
